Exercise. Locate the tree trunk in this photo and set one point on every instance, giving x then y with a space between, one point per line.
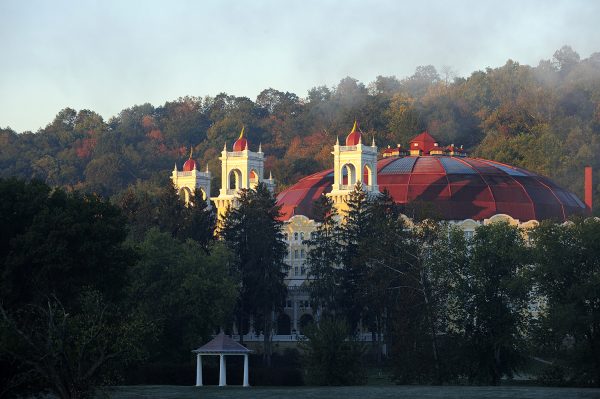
434 345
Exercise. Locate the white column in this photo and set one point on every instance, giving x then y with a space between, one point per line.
246 382
222 371
199 370
295 305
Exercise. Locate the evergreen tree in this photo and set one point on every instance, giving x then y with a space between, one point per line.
383 249
199 222
253 231
354 231
323 258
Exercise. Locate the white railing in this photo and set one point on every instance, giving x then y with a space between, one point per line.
363 337
348 148
235 154
184 173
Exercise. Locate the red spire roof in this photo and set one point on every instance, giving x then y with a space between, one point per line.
354 137
241 143
190 164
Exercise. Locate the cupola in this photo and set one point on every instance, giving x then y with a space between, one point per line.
241 143
190 164
355 137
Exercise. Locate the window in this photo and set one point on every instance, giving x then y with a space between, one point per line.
313 235
287 237
302 270
302 236
306 304
295 254
301 254
296 271
288 304
295 236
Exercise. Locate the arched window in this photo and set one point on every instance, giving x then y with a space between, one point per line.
367 175
234 180
348 177
295 236
301 235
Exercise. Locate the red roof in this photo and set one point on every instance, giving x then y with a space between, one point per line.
241 143
354 138
189 165
424 142
455 188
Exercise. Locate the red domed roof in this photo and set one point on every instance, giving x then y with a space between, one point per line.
189 165
455 188
241 143
354 138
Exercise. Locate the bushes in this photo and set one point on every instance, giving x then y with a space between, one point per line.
332 356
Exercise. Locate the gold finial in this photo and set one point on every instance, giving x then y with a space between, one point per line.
191 151
354 127
242 133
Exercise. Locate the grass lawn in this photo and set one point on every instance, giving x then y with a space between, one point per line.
368 392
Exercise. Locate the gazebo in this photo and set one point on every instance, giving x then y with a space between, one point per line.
221 346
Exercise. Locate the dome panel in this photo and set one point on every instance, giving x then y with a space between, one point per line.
453 165
402 165
428 165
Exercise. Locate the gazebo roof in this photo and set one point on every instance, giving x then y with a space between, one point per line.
221 344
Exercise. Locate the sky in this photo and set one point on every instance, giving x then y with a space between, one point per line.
107 55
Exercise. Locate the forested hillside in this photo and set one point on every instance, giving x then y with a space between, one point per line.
544 118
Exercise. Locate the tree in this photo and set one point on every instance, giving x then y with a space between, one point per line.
492 296
58 243
187 292
323 258
352 268
332 355
63 265
567 282
67 353
253 231
383 247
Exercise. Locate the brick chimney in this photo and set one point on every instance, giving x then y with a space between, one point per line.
588 188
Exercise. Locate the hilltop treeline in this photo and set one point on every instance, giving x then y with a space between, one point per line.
544 118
